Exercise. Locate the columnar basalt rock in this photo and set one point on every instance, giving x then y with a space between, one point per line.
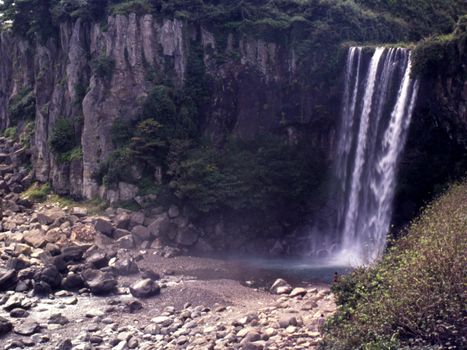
255 91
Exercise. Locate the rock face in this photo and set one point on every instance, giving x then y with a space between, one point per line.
249 91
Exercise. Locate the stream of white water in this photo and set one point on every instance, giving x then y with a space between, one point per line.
376 115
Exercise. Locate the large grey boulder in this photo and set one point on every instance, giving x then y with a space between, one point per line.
141 233
103 225
280 286
99 282
145 288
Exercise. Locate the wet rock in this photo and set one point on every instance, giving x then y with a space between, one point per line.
145 288
99 282
5 326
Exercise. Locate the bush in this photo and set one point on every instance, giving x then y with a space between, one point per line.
62 139
415 295
132 6
262 174
440 53
27 133
22 106
10 133
103 67
37 192
116 168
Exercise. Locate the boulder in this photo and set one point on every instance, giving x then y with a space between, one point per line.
122 220
79 211
126 266
73 253
50 275
145 288
35 238
27 328
8 279
97 259
126 242
99 282
137 218
104 226
5 326
49 216
298 292
159 225
141 233
187 236
173 212
280 286
72 282
127 191
83 233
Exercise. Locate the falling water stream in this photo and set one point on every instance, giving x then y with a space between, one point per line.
376 114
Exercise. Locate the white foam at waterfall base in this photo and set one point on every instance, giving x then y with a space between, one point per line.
373 132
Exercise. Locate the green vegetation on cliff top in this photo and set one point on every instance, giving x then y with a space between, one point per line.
378 20
416 295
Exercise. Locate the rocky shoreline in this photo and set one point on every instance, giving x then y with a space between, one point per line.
71 280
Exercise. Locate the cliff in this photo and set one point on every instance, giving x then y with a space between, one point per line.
255 87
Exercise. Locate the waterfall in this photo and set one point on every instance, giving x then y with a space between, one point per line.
376 114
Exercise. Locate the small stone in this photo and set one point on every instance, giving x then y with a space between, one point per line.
19 313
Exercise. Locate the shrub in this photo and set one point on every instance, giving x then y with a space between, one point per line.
27 133
72 155
62 139
22 106
103 67
37 192
132 6
415 295
116 168
261 174
10 133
